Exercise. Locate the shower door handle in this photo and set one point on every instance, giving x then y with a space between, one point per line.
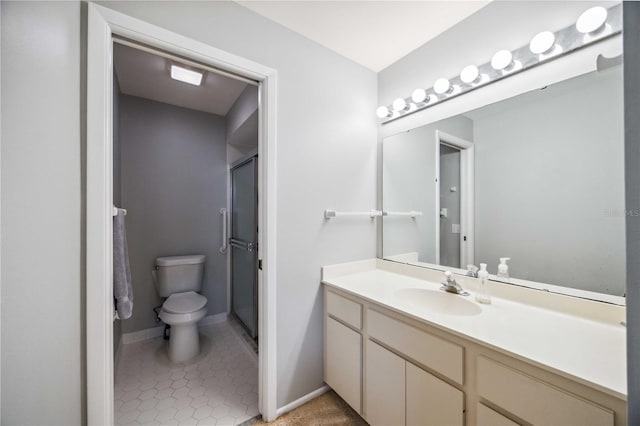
241 244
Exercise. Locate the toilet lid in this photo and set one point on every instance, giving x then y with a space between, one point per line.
184 303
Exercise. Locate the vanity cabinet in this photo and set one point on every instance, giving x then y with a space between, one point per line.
397 370
398 393
343 349
385 390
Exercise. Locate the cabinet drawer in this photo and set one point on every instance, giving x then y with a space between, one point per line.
488 417
344 309
534 401
435 353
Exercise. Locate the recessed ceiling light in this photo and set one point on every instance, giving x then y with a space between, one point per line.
186 75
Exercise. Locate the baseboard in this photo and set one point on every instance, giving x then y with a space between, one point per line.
150 333
213 319
301 401
139 336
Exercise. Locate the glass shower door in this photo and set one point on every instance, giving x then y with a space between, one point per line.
244 245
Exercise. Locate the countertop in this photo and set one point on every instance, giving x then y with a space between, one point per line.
590 351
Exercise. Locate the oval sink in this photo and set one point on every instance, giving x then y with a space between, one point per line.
438 302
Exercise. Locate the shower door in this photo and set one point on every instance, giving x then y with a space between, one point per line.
244 244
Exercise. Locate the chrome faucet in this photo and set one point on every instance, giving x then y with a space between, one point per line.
452 286
472 271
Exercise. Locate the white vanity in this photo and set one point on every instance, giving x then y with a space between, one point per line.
400 351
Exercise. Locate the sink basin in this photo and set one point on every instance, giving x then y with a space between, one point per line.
439 302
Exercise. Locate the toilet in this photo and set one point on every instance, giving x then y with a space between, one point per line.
179 279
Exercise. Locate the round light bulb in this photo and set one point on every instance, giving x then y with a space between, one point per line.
382 112
469 74
502 60
592 20
441 86
542 42
399 104
419 95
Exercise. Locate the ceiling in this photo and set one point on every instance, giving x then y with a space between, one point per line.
146 75
372 33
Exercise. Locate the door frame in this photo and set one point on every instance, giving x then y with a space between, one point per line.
467 197
103 25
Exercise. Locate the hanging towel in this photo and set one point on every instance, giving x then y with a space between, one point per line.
122 290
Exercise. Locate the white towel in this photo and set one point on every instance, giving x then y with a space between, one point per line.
122 289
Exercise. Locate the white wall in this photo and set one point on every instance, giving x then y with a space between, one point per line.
42 240
326 158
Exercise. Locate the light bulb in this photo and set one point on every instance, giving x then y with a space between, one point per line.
503 59
441 86
469 74
542 42
382 112
399 104
592 20
419 95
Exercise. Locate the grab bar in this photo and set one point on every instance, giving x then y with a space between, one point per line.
223 248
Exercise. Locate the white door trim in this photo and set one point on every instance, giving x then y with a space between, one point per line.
467 198
103 24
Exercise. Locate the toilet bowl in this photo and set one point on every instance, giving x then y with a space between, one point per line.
179 278
182 311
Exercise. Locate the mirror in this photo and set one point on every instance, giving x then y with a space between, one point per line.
537 178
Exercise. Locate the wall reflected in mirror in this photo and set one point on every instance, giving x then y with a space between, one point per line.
537 178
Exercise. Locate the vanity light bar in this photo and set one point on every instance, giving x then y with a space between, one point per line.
593 25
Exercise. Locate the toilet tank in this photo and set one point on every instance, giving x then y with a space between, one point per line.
177 274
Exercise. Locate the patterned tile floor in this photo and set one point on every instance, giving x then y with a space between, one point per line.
219 387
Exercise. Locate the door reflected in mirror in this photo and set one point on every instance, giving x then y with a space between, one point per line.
538 178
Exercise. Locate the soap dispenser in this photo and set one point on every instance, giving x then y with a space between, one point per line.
483 295
503 269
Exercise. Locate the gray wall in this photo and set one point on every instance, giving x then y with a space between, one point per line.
117 183
449 177
42 239
632 176
326 138
550 184
409 184
174 182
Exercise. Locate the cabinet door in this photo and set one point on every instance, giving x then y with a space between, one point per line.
432 402
385 387
488 417
343 352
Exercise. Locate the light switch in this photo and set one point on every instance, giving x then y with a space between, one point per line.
455 228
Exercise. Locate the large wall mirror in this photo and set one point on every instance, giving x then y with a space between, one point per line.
537 178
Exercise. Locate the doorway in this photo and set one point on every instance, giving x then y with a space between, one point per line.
454 227
103 25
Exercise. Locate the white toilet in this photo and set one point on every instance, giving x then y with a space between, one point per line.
179 278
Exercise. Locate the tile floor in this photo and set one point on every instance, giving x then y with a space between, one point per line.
219 387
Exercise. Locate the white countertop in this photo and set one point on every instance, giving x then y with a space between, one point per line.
589 351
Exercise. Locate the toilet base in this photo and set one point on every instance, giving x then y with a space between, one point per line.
184 340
